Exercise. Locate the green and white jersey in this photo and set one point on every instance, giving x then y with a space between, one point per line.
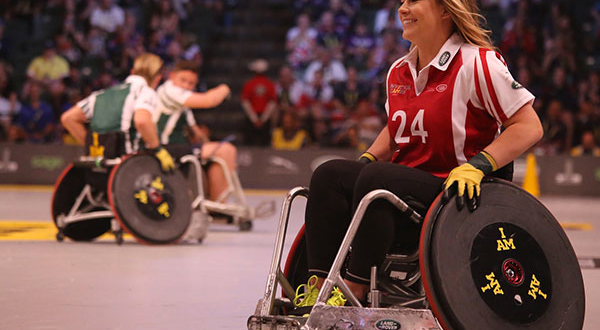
112 109
173 116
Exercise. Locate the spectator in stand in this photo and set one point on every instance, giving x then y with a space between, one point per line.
191 49
49 66
95 43
587 147
36 121
288 89
9 111
585 120
348 94
329 37
519 38
346 137
369 123
289 136
386 49
387 18
359 46
558 55
259 102
56 96
557 129
105 80
343 13
107 16
312 7
333 69
66 49
560 88
165 19
158 43
314 104
301 42
592 89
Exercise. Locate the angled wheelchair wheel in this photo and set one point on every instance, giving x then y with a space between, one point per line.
508 265
67 188
152 205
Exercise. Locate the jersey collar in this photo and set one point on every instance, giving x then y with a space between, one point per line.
136 79
443 58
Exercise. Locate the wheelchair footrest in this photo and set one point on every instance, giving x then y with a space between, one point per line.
256 322
333 317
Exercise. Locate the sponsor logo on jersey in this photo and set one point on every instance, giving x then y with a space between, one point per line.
516 85
444 58
399 89
441 87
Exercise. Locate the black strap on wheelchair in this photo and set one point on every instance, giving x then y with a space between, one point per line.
111 145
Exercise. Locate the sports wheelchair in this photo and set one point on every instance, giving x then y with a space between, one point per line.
508 265
109 190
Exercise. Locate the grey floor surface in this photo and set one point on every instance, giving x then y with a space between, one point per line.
47 285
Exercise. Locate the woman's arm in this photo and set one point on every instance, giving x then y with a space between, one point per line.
522 131
383 148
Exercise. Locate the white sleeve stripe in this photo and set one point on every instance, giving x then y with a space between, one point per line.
485 92
491 86
459 115
169 127
191 121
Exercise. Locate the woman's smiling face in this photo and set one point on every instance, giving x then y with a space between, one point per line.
420 19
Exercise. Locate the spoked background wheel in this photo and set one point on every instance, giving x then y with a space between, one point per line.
508 265
152 205
67 188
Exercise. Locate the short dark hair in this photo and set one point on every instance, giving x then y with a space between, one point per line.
184 65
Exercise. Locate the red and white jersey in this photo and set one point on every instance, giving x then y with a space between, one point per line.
452 109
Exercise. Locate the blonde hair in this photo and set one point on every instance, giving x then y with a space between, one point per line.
148 66
468 22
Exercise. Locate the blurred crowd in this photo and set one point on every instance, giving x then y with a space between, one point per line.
55 52
339 51
330 92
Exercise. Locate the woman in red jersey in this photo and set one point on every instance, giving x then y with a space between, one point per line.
446 102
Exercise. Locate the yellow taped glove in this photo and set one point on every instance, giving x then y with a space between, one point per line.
468 176
165 159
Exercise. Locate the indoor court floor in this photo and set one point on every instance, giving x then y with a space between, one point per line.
46 285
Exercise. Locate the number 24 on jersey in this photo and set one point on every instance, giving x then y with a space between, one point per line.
416 127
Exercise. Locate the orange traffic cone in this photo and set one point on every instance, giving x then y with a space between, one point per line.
531 182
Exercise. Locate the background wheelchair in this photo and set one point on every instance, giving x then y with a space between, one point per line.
108 190
509 265
111 191
231 204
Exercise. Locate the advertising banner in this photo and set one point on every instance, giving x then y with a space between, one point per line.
261 168
34 163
